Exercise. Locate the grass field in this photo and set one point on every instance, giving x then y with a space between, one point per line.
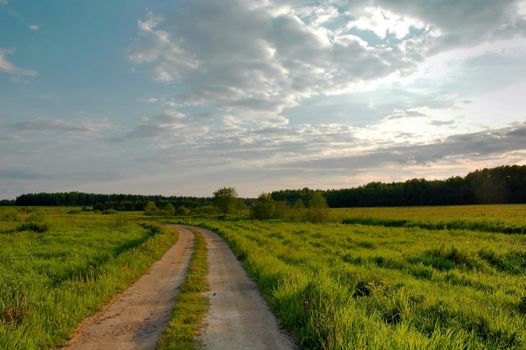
509 218
390 283
51 280
359 286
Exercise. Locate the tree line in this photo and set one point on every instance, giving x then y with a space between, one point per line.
505 184
120 202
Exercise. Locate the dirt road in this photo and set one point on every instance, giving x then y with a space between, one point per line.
136 318
238 317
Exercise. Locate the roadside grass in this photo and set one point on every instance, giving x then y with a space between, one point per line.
191 305
355 286
50 281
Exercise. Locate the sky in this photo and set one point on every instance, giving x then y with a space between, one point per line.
182 97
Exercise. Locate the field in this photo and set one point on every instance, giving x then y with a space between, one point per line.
50 281
405 278
510 218
370 286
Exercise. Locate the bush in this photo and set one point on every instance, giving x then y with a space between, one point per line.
151 209
32 226
108 211
121 220
182 210
263 208
168 210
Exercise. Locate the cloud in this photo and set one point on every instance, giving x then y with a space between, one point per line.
34 27
478 145
20 174
153 127
39 125
251 62
7 67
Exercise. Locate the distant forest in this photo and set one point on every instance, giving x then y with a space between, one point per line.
505 184
121 202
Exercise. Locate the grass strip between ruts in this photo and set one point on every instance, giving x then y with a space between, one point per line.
191 305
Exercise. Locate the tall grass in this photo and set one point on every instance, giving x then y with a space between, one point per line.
507 218
51 281
354 287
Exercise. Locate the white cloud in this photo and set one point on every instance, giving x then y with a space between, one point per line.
383 22
8 67
253 62
34 27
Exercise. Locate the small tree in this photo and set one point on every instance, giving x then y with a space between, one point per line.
263 207
151 209
169 210
318 208
182 210
225 199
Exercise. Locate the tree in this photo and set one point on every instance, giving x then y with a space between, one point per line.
225 199
151 209
263 207
182 210
318 208
169 210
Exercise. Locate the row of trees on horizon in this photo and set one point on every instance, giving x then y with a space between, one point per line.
505 184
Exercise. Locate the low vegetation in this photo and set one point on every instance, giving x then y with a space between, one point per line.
191 304
358 286
52 279
509 218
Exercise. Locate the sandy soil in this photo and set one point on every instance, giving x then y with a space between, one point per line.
238 317
136 318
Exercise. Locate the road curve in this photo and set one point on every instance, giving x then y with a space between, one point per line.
136 318
238 317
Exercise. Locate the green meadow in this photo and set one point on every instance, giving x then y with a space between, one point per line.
402 278
59 265
353 286
506 218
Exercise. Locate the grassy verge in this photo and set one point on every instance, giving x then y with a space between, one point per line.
51 281
191 305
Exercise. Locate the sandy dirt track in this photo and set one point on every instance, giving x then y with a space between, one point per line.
238 317
136 318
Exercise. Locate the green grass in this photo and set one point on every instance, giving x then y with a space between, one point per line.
509 218
191 304
52 280
340 286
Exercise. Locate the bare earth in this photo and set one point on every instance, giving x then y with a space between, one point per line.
239 317
136 318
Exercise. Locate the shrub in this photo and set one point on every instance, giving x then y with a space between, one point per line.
108 211
121 220
182 210
32 226
263 207
168 210
151 209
